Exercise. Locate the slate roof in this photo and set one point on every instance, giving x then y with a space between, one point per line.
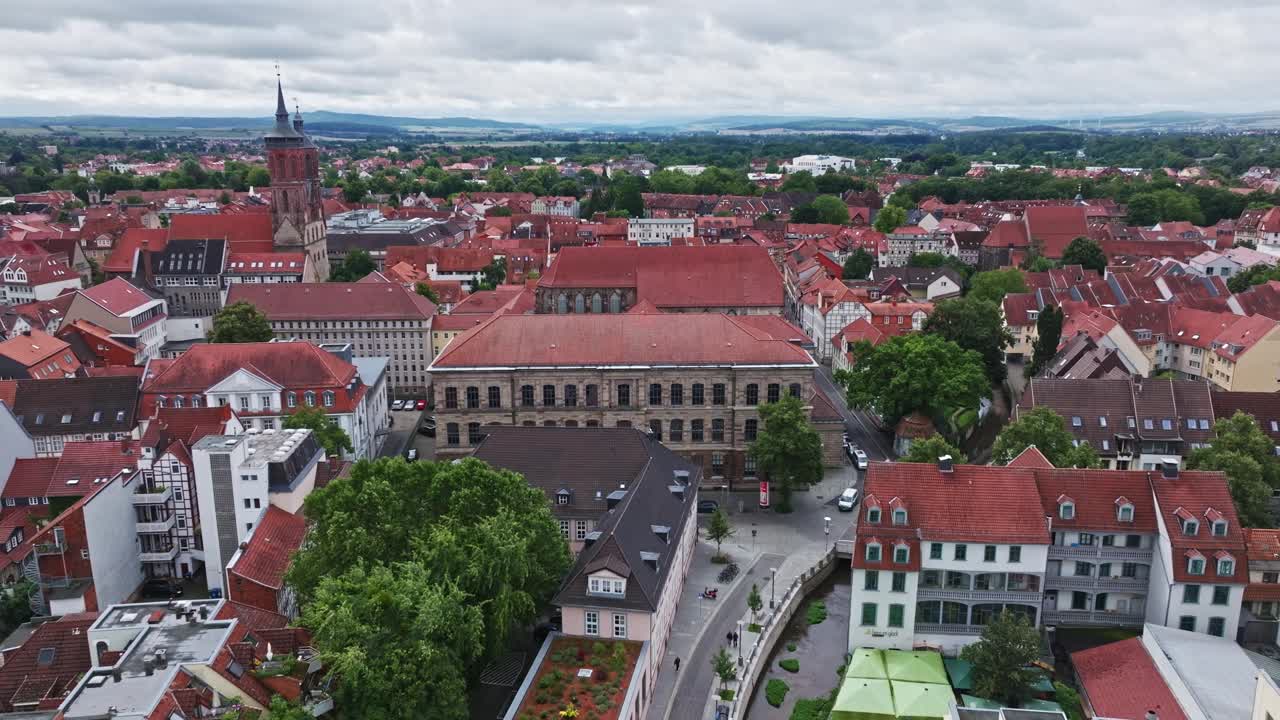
1263 406
1121 681
628 339
95 404
590 459
326 301
266 554
1104 407
190 257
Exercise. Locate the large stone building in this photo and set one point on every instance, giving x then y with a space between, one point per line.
695 381
377 319
733 279
297 212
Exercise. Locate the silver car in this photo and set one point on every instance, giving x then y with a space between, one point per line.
848 499
860 458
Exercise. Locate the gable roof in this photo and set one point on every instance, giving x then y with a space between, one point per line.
1121 681
117 296
266 554
47 665
247 232
321 301
288 364
1196 493
95 404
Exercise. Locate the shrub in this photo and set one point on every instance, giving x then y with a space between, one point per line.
840 671
1069 699
791 647
790 665
814 708
597 649
817 612
775 691
753 627
726 695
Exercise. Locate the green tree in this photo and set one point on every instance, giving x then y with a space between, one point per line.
922 373
443 512
331 437
354 190
1086 253
493 274
240 322
1069 699
400 639
353 267
787 448
427 292
974 325
257 178
929 449
801 181
1045 429
831 210
754 601
499 211
1256 275
993 285
1246 454
1049 329
719 529
858 265
1038 263
1001 659
723 666
15 605
890 218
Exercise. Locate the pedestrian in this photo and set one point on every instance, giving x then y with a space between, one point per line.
728 638
735 639
677 663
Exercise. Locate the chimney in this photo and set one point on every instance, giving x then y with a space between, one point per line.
944 463
1169 468
115 674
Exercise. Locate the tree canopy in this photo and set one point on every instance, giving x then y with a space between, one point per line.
787 449
353 267
889 218
976 325
427 292
331 437
415 574
240 322
928 450
1049 329
921 372
1002 659
1256 275
1086 253
993 285
831 210
1247 455
858 265
1047 430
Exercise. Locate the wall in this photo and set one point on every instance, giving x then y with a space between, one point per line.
187 328
14 443
113 544
881 635
1266 698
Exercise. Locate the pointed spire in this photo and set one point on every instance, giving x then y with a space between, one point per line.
281 110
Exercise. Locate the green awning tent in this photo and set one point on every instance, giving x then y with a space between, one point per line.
971 701
1048 705
866 663
960 672
916 666
921 701
863 699
1043 683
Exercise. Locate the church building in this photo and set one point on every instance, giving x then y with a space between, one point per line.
297 213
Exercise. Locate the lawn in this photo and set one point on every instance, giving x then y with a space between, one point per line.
598 697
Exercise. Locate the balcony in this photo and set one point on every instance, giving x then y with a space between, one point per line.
158 526
159 556
1093 617
1104 584
1098 552
49 549
152 496
982 596
948 629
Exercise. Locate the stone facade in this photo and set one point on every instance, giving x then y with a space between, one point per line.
467 400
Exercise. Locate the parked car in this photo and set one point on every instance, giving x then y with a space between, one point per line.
422 404
848 499
860 458
428 427
708 506
412 455
161 588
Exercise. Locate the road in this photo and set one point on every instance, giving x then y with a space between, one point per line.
857 424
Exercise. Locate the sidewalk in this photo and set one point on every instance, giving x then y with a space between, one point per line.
791 543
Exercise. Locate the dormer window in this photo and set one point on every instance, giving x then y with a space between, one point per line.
1124 510
1226 567
1195 563
606 586
900 516
873 552
1220 528
901 554
1190 527
1067 510
562 497
873 514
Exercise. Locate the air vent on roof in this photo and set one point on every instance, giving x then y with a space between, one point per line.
590 538
650 558
1169 467
677 491
662 531
682 477
614 498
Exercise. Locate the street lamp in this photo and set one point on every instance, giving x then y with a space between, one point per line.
773 585
826 528
738 642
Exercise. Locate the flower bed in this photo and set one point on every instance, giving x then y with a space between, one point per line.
558 692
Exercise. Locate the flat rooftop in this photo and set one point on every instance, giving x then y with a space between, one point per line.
136 614
264 448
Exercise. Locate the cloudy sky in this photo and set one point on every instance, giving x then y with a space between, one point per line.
601 60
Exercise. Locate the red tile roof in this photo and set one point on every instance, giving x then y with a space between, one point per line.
117 296
327 301
640 339
289 364
712 276
1031 458
41 271
1053 228
1197 493
1018 308
36 347
27 679
31 477
254 263
254 618
266 555
1007 234
1121 681
1097 495
122 257
82 463
248 232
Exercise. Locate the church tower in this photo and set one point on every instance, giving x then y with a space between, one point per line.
297 214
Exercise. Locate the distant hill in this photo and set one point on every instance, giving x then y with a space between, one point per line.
320 120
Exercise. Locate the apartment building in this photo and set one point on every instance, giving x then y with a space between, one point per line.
564 206
649 232
265 382
819 164
188 274
1260 616
941 549
238 477
57 411
32 279
131 316
377 319
37 355
695 384
904 242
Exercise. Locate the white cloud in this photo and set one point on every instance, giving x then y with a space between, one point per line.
543 60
